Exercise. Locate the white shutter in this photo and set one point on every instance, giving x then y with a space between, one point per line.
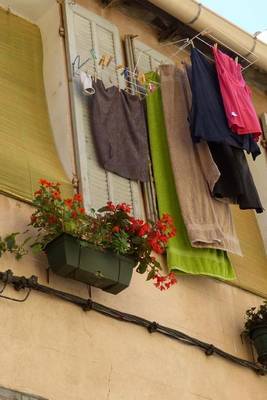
143 58
146 58
87 31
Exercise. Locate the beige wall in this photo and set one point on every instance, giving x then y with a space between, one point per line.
55 350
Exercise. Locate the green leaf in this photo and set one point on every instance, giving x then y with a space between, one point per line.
10 241
36 248
150 275
102 209
141 268
70 226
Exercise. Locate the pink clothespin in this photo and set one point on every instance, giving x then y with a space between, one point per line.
151 87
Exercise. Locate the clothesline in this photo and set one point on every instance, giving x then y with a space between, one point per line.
136 80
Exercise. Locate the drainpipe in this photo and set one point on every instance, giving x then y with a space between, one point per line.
200 17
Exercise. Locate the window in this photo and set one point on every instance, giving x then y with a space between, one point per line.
87 31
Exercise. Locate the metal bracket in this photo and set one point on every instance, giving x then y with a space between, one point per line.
17 300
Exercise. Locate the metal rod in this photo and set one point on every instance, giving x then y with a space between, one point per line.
233 51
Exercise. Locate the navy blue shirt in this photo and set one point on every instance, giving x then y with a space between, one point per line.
208 120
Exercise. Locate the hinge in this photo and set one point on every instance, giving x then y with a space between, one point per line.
61 31
75 183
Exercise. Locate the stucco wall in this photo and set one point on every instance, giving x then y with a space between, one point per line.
56 350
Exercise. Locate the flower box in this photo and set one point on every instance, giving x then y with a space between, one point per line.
98 247
256 329
71 258
258 335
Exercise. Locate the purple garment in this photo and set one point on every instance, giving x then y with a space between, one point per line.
119 130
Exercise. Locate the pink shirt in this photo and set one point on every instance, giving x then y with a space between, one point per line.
236 95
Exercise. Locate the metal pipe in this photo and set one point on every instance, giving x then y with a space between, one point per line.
227 32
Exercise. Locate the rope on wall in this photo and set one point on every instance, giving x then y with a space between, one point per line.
20 282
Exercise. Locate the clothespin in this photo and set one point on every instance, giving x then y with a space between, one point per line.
215 46
151 87
109 61
236 60
119 66
106 60
192 43
101 61
93 54
141 78
125 73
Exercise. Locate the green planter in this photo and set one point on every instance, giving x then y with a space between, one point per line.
103 269
258 335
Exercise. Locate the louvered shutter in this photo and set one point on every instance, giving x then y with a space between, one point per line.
87 31
146 58
142 58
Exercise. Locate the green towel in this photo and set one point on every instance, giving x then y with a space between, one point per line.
181 256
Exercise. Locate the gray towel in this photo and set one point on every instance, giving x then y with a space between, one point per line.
208 221
119 131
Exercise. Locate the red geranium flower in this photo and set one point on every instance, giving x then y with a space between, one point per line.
56 195
124 207
74 214
77 197
68 202
111 206
144 230
45 182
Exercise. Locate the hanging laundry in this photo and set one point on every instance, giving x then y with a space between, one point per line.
236 95
235 184
208 221
87 83
181 256
236 181
119 131
208 119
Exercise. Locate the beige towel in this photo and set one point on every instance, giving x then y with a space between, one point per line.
208 221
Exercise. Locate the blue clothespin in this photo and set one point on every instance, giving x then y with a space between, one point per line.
125 72
93 54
